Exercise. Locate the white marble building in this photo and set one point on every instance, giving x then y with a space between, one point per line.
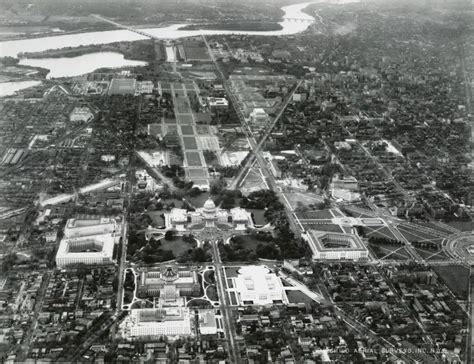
210 216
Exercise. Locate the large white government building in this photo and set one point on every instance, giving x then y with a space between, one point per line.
256 285
88 241
168 283
209 216
336 246
167 287
170 321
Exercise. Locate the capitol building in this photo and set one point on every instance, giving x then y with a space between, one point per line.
209 216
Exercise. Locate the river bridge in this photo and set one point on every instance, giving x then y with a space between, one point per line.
151 36
127 27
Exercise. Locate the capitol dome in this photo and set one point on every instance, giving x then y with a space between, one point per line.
209 206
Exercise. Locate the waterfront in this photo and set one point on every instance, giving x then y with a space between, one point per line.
76 66
13 48
9 88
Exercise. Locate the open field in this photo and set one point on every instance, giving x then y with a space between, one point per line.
202 129
196 50
316 214
415 235
189 86
199 200
378 232
232 272
185 118
211 292
297 199
434 226
456 278
233 299
297 297
165 86
251 243
171 128
193 159
177 245
210 142
170 121
174 159
187 129
189 142
323 227
462 225
431 254
183 108
196 173
253 182
200 182
399 252
258 216
157 219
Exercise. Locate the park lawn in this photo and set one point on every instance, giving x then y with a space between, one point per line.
420 235
378 232
190 142
209 277
198 201
172 201
300 199
187 129
186 117
233 298
315 214
174 159
297 297
170 121
232 272
381 250
462 225
434 226
323 227
196 173
165 86
434 254
409 236
156 218
202 129
251 243
258 216
211 292
177 245
171 128
193 159
198 302
456 278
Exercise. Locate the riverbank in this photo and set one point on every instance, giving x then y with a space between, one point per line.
35 35
245 26
13 48
12 71
10 88
102 27
81 65
136 51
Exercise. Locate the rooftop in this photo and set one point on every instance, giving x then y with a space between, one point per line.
324 241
